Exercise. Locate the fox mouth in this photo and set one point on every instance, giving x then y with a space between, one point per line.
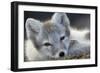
56 57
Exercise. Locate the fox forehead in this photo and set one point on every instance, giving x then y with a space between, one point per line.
50 26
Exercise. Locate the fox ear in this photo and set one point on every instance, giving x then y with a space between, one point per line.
61 18
32 27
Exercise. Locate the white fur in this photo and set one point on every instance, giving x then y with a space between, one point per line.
31 52
79 35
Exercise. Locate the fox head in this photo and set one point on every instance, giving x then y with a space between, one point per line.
51 38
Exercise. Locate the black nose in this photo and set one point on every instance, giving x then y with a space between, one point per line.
61 54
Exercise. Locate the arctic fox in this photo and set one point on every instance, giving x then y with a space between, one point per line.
54 39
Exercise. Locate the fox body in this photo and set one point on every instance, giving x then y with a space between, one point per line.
54 39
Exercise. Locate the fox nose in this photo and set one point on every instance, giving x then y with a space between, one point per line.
61 54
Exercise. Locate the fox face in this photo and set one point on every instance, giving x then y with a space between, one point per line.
51 38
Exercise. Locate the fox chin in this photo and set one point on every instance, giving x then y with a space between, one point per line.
54 39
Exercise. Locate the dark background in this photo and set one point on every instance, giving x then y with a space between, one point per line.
79 21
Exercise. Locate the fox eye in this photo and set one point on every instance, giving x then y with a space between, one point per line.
47 44
62 38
